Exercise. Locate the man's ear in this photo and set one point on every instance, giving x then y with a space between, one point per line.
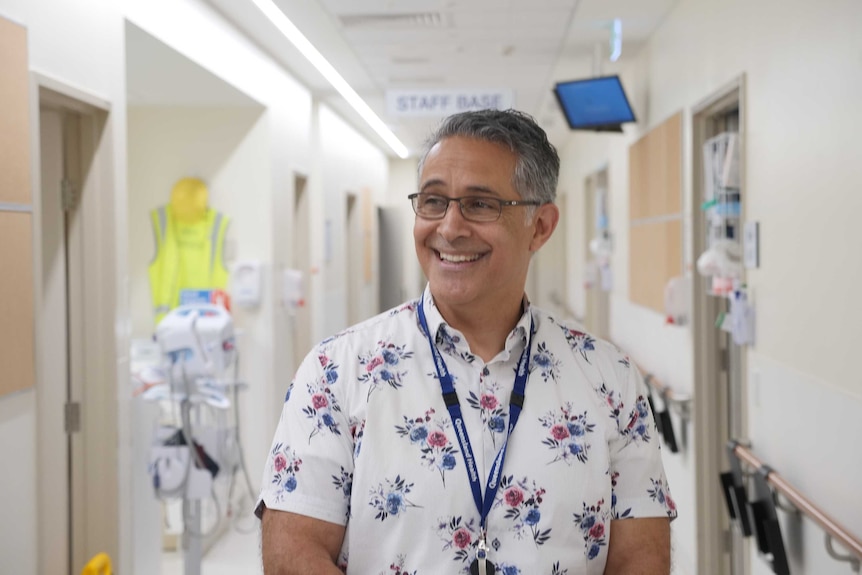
545 221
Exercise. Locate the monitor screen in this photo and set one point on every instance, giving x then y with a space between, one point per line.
598 104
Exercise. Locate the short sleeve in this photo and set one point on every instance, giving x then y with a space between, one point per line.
639 485
309 468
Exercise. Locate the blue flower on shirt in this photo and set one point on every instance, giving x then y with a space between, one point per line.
497 424
579 341
491 411
635 424
429 435
522 501
508 569
380 366
285 466
661 494
546 363
323 402
391 499
449 343
640 421
567 434
591 522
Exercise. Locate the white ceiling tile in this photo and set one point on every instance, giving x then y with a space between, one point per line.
499 44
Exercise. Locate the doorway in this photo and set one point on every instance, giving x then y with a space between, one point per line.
301 261
354 249
720 387
597 281
77 478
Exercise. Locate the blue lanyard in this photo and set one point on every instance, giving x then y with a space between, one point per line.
453 405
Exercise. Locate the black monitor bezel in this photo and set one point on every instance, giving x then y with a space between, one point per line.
599 126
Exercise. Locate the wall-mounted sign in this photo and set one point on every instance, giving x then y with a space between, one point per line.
425 103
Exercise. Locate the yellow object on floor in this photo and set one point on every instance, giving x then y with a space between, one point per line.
98 565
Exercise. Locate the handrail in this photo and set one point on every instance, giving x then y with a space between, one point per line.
663 390
832 528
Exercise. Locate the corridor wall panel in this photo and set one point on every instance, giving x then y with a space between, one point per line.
14 115
16 238
16 302
655 212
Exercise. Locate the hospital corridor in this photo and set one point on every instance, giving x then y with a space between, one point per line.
211 207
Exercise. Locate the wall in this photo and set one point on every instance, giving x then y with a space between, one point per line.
77 43
403 181
801 63
18 444
228 149
348 163
82 44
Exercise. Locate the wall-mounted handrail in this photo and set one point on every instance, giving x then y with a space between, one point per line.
668 394
832 528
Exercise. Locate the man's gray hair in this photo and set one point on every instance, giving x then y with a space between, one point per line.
537 166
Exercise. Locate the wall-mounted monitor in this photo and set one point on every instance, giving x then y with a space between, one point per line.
598 104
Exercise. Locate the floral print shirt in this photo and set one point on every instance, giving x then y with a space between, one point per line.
365 440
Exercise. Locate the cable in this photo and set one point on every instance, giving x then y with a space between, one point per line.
240 453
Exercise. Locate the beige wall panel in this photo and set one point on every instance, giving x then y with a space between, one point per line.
655 256
637 180
672 132
14 115
16 302
655 171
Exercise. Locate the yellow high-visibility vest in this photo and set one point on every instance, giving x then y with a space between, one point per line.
189 256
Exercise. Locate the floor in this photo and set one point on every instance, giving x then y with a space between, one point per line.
237 552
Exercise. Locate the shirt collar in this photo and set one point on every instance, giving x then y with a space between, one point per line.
438 327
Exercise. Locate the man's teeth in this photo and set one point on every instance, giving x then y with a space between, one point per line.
459 258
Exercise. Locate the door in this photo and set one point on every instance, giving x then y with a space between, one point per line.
720 388
62 345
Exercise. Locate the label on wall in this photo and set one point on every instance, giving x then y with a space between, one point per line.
424 103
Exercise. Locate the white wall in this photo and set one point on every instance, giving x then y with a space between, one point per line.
403 181
18 448
227 148
81 43
800 60
348 163
77 43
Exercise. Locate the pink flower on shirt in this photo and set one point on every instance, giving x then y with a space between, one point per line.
437 439
319 401
374 363
461 538
488 402
514 496
559 432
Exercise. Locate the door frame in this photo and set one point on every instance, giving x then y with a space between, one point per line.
98 512
597 315
712 405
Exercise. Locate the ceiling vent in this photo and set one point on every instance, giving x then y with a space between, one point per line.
393 21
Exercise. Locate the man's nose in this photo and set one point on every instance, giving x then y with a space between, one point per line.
453 224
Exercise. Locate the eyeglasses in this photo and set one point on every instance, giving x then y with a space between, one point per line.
473 208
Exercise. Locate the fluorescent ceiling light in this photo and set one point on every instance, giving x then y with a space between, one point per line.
307 49
616 39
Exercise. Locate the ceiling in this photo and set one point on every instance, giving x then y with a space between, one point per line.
523 46
158 75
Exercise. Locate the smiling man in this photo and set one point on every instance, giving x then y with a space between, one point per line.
468 431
